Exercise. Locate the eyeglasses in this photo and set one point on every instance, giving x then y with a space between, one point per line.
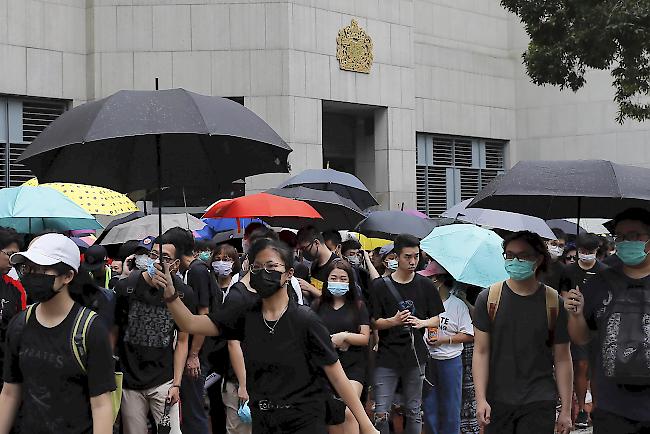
571 258
8 254
268 267
520 256
165 259
25 269
631 236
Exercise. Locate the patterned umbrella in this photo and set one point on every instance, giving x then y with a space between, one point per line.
95 200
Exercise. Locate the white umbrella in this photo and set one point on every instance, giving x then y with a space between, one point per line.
147 226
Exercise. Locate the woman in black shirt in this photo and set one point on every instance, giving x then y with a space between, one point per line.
348 322
286 348
42 375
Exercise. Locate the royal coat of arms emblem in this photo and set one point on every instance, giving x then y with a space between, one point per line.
354 49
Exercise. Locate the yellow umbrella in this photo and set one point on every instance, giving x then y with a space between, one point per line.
95 200
370 243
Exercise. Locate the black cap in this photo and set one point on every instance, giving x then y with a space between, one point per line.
95 258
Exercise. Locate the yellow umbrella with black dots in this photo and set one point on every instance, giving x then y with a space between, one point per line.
95 200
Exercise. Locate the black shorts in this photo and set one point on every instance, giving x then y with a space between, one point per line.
533 418
610 423
299 419
579 352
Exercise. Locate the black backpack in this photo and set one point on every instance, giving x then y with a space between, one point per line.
625 330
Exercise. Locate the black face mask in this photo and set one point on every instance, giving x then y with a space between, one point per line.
266 283
39 287
308 255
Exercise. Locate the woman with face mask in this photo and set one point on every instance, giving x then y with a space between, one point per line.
521 361
348 322
41 374
285 347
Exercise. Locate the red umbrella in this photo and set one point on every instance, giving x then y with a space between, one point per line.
261 205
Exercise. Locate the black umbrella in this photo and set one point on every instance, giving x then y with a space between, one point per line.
558 189
338 212
565 226
342 183
118 221
389 224
139 140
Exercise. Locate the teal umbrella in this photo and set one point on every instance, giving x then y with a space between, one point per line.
35 209
471 254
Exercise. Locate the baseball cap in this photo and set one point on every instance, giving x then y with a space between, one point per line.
432 269
95 257
50 249
385 250
147 243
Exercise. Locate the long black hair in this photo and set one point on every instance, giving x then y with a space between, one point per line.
351 297
82 288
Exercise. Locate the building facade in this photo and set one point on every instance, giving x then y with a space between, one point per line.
445 106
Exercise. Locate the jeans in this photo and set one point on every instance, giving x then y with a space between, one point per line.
386 380
610 423
442 403
195 419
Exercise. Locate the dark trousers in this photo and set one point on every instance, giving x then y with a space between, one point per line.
194 419
296 420
217 409
610 423
533 418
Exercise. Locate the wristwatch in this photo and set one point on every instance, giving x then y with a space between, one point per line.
171 298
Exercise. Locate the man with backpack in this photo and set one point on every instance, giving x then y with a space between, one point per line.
402 306
614 308
522 360
151 349
197 276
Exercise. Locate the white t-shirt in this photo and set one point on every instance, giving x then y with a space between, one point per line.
294 284
455 319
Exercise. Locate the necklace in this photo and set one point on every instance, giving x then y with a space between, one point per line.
272 329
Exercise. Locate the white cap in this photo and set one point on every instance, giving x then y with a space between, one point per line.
50 249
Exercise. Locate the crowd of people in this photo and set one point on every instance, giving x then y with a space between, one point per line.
308 333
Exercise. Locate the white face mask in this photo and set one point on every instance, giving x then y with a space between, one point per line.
587 258
141 262
555 251
392 264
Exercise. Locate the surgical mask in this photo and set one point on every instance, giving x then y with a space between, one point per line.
354 260
222 268
151 270
392 264
631 252
555 251
587 258
39 287
142 262
338 288
266 283
205 256
244 413
520 270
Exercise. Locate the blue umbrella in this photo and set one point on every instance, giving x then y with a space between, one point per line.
35 209
471 254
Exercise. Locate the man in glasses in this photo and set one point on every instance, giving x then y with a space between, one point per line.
145 331
613 308
312 244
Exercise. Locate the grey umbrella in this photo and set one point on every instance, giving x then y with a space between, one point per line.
147 226
342 183
389 224
338 212
499 219
558 189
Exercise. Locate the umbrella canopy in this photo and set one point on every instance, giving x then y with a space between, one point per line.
559 189
570 228
337 211
36 209
147 226
118 221
342 183
416 213
499 219
84 242
471 254
202 140
264 205
95 200
368 243
389 224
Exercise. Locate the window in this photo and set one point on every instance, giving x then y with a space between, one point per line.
21 120
452 169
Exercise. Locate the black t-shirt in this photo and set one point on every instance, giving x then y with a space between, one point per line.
395 345
284 367
12 301
55 391
633 404
554 275
575 275
521 364
317 272
345 319
146 338
199 279
102 301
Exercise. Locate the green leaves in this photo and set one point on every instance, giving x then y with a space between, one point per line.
569 36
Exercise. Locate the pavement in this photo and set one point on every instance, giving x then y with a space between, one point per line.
589 430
